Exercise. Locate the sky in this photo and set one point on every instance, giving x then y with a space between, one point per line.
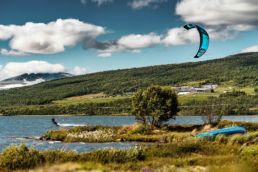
85 36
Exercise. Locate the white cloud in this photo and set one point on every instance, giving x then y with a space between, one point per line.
105 53
223 19
55 37
221 33
250 49
84 2
180 36
12 69
132 43
24 83
50 38
77 70
98 2
238 15
175 36
139 4
137 41
6 52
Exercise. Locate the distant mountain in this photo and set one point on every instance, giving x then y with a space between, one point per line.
35 76
31 79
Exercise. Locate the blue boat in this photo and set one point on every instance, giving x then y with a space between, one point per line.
226 131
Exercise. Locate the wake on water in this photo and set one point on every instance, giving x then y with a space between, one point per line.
71 125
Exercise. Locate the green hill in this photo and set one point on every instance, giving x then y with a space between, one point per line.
241 70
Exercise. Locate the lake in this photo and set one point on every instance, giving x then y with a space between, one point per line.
15 130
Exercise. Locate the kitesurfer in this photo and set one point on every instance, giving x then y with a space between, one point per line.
54 122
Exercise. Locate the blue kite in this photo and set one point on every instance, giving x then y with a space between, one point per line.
204 39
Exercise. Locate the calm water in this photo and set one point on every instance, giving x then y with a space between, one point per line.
17 129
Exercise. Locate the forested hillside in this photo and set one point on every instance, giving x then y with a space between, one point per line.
241 69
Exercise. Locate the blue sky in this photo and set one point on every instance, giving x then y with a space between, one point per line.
136 29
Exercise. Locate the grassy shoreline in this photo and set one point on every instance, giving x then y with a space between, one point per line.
100 134
172 156
183 152
135 133
173 148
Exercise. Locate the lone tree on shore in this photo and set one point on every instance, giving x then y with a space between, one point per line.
154 105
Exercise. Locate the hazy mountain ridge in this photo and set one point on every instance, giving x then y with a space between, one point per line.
31 79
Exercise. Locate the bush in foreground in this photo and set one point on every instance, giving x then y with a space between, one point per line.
20 158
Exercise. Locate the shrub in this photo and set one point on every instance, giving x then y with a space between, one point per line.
20 157
221 138
246 138
176 137
154 105
59 135
173 149
57 156
140 138
104 135
141 129
250 150
113 155
250 126
90 128
234 93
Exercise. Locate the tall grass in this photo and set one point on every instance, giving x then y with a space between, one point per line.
135 132
250 126
20 158
241 139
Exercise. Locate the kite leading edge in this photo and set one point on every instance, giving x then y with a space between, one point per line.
204 39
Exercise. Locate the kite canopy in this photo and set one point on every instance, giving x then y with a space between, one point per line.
204 39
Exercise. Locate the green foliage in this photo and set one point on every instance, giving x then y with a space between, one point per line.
248 138
221 138
58 135
117 156
187 154
145 133
241 69
224 105
134 133
117 106
154 105
141 129
250 150
238 139
233 93
59 156
249 126
61 96
20 157
103 135
212 114
186 147
256 90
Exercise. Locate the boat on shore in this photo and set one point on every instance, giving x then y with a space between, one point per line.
225 131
